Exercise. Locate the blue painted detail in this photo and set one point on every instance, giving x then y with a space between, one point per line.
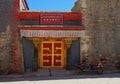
75 52
28 54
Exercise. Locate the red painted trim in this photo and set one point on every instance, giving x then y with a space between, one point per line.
17 64
36 15
48 28
29 15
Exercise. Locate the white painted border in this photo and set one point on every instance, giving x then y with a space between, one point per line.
52 33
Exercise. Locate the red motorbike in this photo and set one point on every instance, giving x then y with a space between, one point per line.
92 67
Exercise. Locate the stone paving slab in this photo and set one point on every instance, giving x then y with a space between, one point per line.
62 72
44 73
48 73
76 79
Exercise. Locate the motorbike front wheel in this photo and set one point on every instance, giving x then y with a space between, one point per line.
79 71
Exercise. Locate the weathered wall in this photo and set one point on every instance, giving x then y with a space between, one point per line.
85 41
5 51
101 19
6 23
11 55
6 18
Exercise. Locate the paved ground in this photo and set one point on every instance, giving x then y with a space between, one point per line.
45 73
60 77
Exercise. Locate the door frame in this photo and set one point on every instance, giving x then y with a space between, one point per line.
63 53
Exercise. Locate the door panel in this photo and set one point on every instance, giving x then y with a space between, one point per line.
47 60
57 54
57 48
47 48
57 61
47 54
52 54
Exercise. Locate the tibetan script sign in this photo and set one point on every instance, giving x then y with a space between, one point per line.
51 19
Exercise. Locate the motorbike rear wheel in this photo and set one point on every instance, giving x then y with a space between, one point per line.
100 71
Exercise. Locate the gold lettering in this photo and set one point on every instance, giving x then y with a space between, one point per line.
47 19
53 19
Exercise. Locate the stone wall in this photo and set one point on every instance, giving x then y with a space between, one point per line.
101 19
5 51
6 14
6 23
85 42
11 59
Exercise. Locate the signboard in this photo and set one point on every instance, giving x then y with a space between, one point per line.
51 19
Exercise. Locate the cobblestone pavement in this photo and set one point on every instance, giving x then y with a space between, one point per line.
61 77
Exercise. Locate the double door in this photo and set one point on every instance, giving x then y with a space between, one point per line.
52 55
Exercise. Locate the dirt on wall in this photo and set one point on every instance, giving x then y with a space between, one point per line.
5 51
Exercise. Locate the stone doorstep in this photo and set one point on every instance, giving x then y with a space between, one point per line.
54 72
10 76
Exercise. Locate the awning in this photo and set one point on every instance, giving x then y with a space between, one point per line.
52 33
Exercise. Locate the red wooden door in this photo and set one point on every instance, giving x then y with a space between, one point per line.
51 54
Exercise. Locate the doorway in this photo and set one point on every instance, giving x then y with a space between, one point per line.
51 54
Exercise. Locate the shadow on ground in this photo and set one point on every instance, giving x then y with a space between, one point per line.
55 75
